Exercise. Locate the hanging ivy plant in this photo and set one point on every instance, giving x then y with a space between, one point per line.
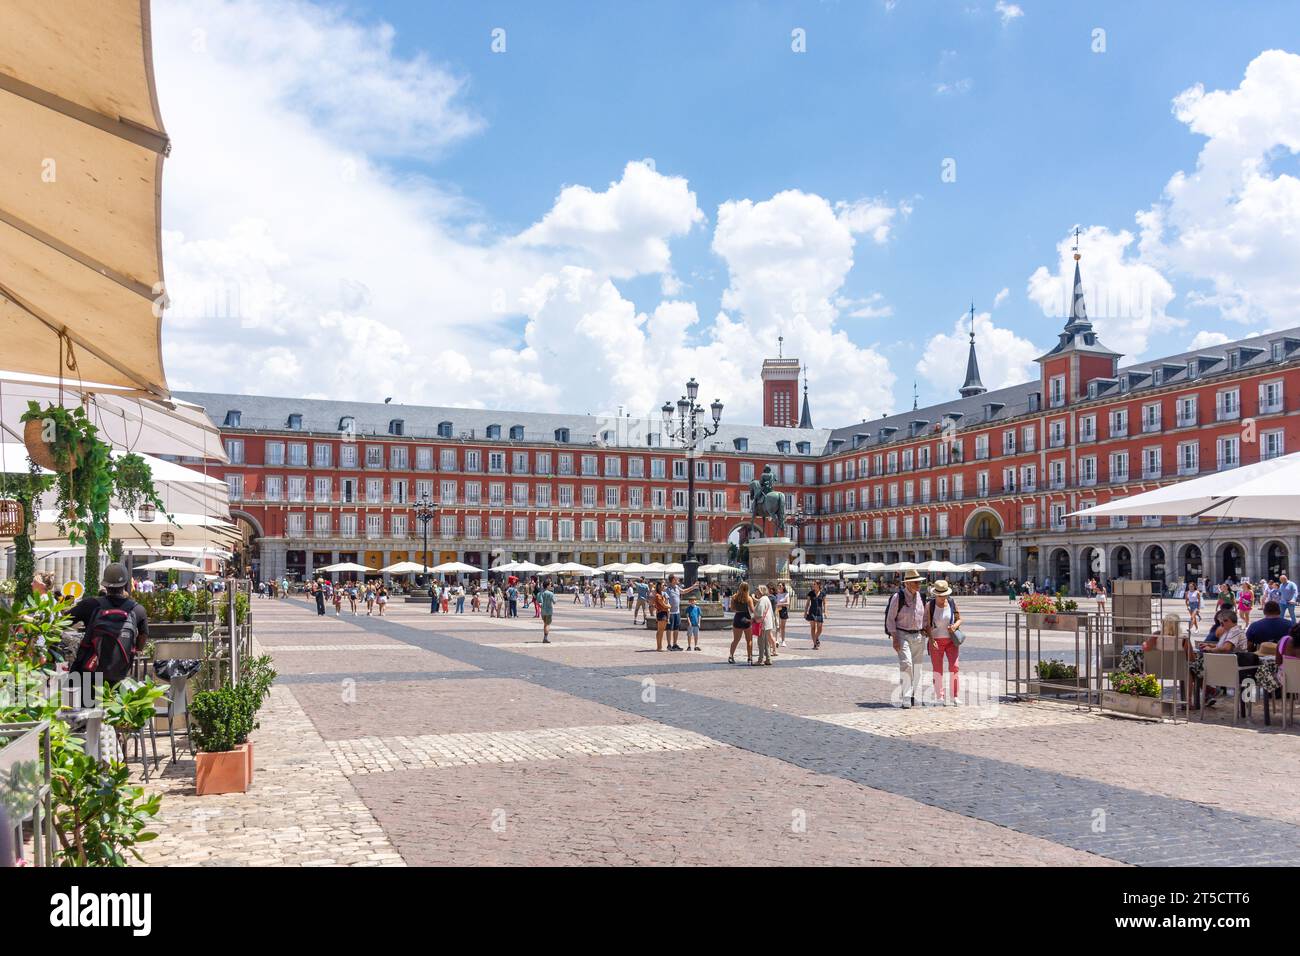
133 483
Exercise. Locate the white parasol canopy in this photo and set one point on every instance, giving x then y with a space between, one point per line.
401 567
613 567
983 566
1268 489
719 569
525 566
167 564
635 567
344 566
192 530
82 146
456 567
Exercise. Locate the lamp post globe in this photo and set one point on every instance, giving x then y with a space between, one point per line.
689 429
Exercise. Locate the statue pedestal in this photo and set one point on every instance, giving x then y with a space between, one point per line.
769 561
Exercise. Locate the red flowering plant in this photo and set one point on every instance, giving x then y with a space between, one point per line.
1038 604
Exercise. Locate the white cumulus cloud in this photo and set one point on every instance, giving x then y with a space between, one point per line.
1004 358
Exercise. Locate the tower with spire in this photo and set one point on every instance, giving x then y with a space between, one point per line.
780 388
972 386
1078 356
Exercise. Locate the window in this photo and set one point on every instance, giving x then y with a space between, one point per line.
1008 480
473 492
566 496
322 455
519 494
1270 397
295 422
496 527
347 456
1057 433
612 496
1274 444
348 525
1028 516
1029 478
1151 417
943 524
562 435
613 530
636 498
1058 517
297 488
1189 457
1056 474
274 488
679 468
473 460
1056 389
235 483
543 462
396 427
719 471
473 527
981 447
746 471
493 432
321 489
1151 463
1228 452
444 430
1009 442
374 526
1088 428
1030 435
235 451
1186 410
519 529
516 432
497 493
496 462
447 492
347 490
424 459
399 457
447 460
1229 404
519 463
274 452
1119 466
447 526
398 527
1119 423
589 529
374 456
566 465
375 490
589 496
566 529
297 525
589 464
543 495
542 529
1088 470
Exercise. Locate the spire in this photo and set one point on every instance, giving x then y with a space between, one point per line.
1078 320
805 419
915 398
973 384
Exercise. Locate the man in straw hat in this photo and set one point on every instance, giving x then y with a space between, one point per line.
904 622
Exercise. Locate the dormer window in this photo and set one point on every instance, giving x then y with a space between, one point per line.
805 448
232 418
783 447
562 435
1157 376
444 429
1276 352
516 432
1193 369
396 427
740 444
1234 360
295 422
494 431
1035 401
347 424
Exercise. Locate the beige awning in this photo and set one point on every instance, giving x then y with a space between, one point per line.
81 153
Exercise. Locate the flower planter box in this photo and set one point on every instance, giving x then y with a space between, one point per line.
228 771
1153 707
1067 621
173 630
1057 685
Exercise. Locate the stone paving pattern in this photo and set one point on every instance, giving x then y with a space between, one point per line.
461 739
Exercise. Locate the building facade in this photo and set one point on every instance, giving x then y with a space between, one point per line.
991 475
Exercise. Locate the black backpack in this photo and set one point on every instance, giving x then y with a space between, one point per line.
109 645
902 599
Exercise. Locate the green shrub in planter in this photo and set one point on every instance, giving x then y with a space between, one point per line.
1138 685
1056 670
222 719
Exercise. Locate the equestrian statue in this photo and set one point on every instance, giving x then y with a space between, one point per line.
766 501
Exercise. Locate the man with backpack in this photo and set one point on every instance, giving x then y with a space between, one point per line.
116 628
904 623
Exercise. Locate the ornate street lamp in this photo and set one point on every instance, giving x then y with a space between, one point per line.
689 428
425 512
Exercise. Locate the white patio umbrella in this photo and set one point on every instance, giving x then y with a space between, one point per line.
870 567
635 567
842 567
939 567
344 566
525 566
168 564
674 568
718 569
507 567
185 530
1268 489
401 567
984 566
456 567
613 567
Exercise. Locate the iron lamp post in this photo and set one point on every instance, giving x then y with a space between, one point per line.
689 427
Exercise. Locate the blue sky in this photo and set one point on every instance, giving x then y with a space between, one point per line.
1045 133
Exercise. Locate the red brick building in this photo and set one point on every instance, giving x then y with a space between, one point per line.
991 474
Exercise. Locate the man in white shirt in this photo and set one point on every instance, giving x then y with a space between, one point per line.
904 619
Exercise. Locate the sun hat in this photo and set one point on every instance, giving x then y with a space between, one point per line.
913 575
940 589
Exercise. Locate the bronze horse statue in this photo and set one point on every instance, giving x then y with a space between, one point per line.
766 501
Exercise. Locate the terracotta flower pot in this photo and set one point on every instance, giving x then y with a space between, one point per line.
225 772
249 747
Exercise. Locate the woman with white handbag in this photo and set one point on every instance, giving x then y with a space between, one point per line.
943 639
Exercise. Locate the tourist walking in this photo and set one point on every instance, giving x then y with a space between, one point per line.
1286 596
674 591
659 603
512 601
904 620
782 599
765 624
1193 601
381 598
742 620
370 599
547 604
318 590
338 601
943 639
815 613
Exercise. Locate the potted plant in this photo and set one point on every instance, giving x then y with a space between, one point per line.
256 677
221 721
1137 694
1056 677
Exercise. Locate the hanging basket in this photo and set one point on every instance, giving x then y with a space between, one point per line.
11 518
38 450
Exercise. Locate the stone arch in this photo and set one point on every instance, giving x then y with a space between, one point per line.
1059 567
1153 565
1230 561
1121 561
1274 558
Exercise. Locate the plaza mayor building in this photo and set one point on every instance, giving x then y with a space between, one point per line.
991 475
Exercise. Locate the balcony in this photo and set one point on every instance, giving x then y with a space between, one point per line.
1117 477
1231 462
1056 484
1029 487
1268 408
1150 473
1149 427
1120 432
1187 469
1228 414
1087 481
1186 421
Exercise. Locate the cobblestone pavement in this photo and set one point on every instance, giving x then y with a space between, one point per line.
463 739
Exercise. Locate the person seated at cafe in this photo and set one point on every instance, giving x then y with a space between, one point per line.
1289 646
1270 629
1171 627
1226 636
